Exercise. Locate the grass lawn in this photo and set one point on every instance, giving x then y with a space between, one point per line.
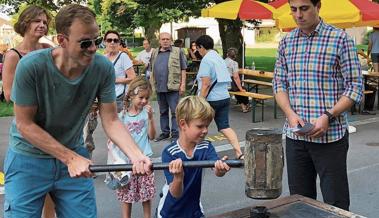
264 58
6 109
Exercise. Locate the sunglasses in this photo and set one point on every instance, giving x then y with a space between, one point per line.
109 40
84 44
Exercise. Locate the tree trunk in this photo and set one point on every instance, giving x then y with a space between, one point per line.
230 34
152 33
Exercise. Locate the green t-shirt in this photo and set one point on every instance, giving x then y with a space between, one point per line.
62 104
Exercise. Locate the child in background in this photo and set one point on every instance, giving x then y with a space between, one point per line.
181 193
137 116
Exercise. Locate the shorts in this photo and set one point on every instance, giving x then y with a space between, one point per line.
221 109
28 179
139 189
375 57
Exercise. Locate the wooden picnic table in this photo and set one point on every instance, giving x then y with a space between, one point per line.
256 73
374 76
136 67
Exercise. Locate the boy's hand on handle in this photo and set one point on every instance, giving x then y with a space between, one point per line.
142 166
175 167
78 166
221 167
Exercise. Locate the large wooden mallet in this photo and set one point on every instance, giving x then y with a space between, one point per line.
263 164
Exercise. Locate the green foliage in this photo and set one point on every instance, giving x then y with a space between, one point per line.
118 15
126 15
51 5
365 38
6 109
266 34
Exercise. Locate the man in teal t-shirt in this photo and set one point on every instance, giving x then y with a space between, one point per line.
52 93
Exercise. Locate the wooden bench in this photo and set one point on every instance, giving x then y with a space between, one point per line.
365 92
256 83
256 98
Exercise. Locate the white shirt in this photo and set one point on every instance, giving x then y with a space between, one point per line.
122 64
145 56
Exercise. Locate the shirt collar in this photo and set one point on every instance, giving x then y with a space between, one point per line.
320 26
168 49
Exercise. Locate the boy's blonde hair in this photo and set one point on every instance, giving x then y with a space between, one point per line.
194 107
134 87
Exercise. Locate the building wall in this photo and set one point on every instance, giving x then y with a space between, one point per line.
212 29
357 33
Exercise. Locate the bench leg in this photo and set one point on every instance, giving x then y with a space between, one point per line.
275 112
263 113
253 110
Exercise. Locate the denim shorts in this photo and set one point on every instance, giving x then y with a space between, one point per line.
221 109
375 57
28 179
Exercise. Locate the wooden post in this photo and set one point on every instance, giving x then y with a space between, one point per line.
263 163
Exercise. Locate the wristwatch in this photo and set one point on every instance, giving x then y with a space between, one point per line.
331 118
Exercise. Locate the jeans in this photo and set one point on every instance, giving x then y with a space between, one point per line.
306 159
167 102
28 179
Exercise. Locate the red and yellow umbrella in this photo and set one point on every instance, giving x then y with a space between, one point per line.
242 9
369 11
341 13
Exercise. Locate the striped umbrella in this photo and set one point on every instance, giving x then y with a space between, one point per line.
242 9
341 13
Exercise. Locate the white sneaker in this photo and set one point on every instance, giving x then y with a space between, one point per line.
352 129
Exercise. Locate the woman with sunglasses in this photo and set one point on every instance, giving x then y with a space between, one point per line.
32 24
122 64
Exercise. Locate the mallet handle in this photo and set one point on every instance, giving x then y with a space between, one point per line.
162 166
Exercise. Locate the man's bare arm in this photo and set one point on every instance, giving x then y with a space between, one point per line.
34 134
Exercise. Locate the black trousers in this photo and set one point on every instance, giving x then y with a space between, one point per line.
306 160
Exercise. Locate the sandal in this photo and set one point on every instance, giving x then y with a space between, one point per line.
242 156
247 109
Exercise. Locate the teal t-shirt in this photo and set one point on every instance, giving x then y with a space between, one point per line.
62 104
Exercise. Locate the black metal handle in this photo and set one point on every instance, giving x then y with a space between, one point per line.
162 166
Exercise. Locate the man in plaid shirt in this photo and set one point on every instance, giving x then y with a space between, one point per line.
317 79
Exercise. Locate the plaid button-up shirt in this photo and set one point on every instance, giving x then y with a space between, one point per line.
316 70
